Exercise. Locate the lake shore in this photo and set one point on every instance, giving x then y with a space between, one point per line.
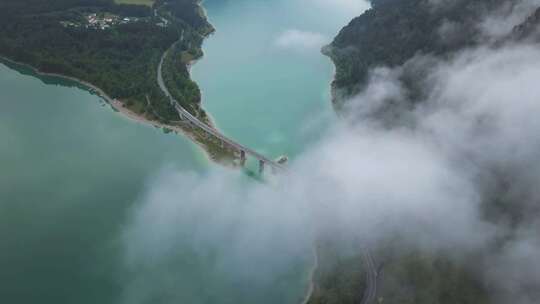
119 106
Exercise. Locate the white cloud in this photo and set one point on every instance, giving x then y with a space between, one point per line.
506 17
425 180
424 174
298 40
355 7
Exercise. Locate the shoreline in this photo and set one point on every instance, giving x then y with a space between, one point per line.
194 61
117 105
333 96
327 51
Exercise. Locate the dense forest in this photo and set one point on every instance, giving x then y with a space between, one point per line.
176 78
340 274
405 277
115 47
189 11
393 31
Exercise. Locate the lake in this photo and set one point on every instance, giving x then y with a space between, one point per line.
73 171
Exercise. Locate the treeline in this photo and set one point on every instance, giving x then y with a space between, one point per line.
412 276
122 60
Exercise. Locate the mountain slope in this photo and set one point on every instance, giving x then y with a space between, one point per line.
394 31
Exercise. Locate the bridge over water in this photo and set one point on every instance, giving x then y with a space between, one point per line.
194 121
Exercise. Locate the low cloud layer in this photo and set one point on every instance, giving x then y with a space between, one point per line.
301 40
353 6
429 170
501 22
480 112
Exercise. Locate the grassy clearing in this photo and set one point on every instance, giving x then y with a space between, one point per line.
136 2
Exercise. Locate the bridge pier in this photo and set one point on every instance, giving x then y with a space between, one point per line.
242 158
261 166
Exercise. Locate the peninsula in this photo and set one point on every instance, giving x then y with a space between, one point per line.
115 47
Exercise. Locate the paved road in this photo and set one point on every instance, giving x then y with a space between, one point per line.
370 293
184 114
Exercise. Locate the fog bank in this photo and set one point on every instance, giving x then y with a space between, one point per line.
456 169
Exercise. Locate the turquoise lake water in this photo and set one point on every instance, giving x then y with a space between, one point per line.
72 170
267 91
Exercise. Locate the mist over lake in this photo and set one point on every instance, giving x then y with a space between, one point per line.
75 173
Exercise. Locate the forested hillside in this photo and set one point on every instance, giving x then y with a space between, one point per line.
393 31
115 47
529 29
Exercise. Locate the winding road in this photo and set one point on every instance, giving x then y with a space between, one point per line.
370 293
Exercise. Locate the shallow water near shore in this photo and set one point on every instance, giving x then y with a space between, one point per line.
73 170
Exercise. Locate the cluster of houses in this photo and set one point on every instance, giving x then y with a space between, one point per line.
105 21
